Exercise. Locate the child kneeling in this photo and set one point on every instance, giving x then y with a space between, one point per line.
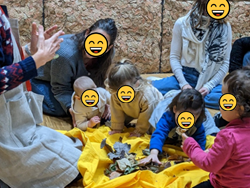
124 108
188 100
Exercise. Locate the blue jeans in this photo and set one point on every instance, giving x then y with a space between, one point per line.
191 75
246 59
50 105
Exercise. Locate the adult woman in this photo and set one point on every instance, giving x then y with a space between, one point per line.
240 54
31 155
199 56
55 80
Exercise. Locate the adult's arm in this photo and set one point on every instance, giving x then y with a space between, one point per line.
175 53
13 75
61 81
239 49
218 77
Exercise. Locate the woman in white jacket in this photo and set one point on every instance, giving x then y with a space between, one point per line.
199 55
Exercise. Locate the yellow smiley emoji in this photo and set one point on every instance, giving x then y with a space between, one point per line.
218 9
95 44
185 120
90 98
228 102
126 94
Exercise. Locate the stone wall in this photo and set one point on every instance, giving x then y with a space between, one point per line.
142 24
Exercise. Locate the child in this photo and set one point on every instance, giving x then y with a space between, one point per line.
89 116
228 159
146 97
189 100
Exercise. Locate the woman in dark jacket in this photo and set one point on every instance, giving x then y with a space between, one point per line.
240 54
55 79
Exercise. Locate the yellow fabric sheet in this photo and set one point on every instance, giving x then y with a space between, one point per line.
94 161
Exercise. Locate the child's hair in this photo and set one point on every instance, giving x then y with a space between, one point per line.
238 84
189 99
121 72
83 83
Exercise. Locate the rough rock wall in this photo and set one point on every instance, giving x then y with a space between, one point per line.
26 11
138 21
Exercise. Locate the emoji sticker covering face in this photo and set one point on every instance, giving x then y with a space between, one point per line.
218 9
95 44
185 120
228 102
126 94
90 98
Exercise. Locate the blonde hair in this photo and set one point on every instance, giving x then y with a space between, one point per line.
83 83
121 72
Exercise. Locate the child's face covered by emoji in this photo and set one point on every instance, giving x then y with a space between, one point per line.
233 112
186 118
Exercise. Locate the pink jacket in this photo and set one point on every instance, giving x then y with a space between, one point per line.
229 158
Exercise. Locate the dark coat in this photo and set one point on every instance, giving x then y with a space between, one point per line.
239 49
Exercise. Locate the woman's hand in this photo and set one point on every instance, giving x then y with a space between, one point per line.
152 157
107 113
34 36
46 48
204 91
187 86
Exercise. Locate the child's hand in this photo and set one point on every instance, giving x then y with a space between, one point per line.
93 121
114 132
107 113
152 157
207 150
184 137
134 133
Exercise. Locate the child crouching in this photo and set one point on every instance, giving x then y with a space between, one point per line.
136 100
86 116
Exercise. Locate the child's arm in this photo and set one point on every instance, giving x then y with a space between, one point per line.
159 136
217 156
200 137
143 124
83 123
117 114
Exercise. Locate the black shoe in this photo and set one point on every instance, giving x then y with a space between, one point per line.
219 121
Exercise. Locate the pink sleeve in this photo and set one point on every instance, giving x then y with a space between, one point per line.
217 156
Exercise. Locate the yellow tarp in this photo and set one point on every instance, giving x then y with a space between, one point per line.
94 161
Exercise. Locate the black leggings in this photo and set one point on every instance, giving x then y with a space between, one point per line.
205 184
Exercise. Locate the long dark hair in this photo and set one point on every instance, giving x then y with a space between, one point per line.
201 5
189 99
238 83
100 65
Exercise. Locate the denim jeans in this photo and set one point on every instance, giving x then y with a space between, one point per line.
50 105
246 59
191 75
